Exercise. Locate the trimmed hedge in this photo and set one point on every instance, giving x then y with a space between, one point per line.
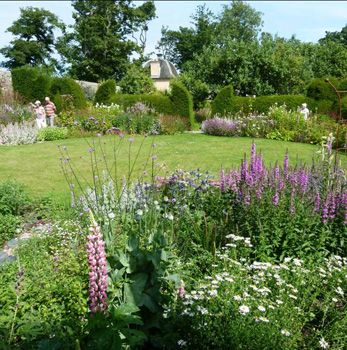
182 101
67 86
222 104
30 83
105 91
262 104
319 90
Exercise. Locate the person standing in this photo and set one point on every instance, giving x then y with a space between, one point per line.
304 110
50 111
40 115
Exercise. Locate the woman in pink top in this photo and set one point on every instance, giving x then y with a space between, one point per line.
40 115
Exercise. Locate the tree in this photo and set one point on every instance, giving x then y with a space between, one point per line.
100 46
238 21
35 41
335 37
180 46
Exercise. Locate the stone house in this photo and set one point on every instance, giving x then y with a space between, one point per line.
161 71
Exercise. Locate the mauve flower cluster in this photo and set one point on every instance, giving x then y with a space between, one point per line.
220 127
253 126
98 274
290 186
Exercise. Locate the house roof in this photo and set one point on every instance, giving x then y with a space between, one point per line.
167 69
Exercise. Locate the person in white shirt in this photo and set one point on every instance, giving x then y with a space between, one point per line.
40 115
304 110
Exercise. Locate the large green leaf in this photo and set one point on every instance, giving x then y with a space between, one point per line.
133 291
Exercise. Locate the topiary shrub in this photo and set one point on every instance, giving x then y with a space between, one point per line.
105 91
67 86
343 85
182 101
30 83
222 104
136 81
318 89
161 104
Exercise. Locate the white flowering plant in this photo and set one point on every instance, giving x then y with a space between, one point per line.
260 305
18 134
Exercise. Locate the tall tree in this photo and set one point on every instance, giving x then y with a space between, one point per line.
100 45
35 40
335 37
180 46
238 21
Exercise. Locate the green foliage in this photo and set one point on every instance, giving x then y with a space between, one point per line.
161 103
31 83
222 104
105 90
172 124
182 101
198 89
52 133
34 43
100 45
13 198
67 86
136 81
9 225
135 123
318 89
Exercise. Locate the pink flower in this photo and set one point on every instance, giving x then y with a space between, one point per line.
98 272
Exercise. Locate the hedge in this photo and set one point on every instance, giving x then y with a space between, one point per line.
30 83
262 104
182 101
162 104
222 104
105 91
67 86
318 89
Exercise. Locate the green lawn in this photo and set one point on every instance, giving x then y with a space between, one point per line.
38 165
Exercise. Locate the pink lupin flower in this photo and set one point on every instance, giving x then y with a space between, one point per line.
98 272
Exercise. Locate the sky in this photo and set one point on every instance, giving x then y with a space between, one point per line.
307 20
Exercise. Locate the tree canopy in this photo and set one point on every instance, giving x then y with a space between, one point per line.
35 40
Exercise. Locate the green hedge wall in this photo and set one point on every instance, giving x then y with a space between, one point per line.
262 104
105 91
31 84
67 86
182 101
161 103
318 89
223 103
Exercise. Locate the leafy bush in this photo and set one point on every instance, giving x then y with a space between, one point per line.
318 89
202 114
136 81
222 104
9 225
182 101
18 134
161 104
105 91
138 119
199 90
67 86
13 198
52 133
31 83
172 124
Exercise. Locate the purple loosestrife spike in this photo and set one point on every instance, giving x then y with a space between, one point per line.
98 272
286 162
275 199
253 159
317 202
222 180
